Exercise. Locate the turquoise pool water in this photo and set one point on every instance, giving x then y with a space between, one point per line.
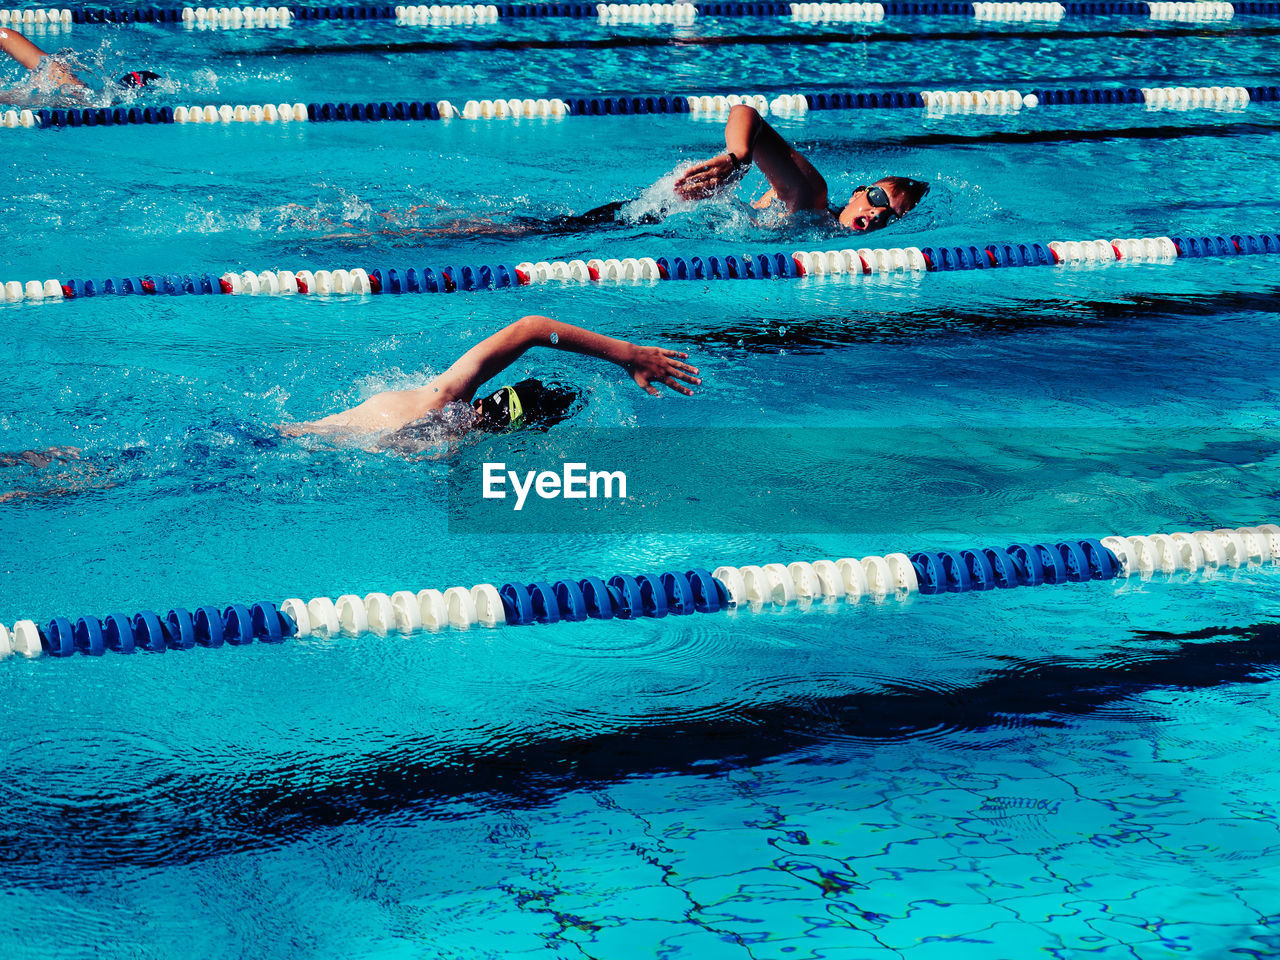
1054 772
377 60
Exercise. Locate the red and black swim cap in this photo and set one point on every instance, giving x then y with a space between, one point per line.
137 78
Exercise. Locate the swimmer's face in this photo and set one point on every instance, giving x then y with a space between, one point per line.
486 420
874 207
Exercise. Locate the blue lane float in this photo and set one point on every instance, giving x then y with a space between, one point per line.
235 625
626 596
813 264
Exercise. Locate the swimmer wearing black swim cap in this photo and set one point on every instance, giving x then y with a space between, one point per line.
793 180
528 403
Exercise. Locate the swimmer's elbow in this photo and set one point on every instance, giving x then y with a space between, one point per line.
533 328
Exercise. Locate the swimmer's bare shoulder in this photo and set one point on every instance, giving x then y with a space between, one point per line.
382 413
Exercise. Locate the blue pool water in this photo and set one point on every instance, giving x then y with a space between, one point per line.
1054 772
375 60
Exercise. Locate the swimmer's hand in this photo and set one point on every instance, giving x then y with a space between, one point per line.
650 365
709 178
68 84
766 199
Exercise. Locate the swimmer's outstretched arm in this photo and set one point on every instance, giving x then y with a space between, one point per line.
29 55
488 358
750 139
20 48
392 409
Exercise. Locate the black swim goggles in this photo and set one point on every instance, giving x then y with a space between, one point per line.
878 198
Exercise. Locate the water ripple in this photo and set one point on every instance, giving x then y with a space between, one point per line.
47 770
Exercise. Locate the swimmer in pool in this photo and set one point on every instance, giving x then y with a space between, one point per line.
70 473
393 414
402 420
34 59
794 183
795 187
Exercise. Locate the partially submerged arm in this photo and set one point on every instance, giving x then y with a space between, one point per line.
29 55
750 139
20 48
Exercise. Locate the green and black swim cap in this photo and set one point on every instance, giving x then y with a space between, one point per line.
529 403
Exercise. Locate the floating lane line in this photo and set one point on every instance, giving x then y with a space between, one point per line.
647 13
651 596
452 278
697 106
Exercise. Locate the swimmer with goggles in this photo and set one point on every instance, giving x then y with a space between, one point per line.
793 180
394 414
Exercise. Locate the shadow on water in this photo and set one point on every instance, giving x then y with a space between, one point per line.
1090 135
789 40
205 815
868 325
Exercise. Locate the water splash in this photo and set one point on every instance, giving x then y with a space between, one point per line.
98 68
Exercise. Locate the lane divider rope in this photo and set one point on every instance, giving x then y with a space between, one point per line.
437 15
612 13
240 17
236 18
864 261
28 18
695 105
631 597
1019 11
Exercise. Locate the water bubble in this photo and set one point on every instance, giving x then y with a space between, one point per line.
555 337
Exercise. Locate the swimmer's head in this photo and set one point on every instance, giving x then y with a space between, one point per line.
875 207
137 78
529 403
